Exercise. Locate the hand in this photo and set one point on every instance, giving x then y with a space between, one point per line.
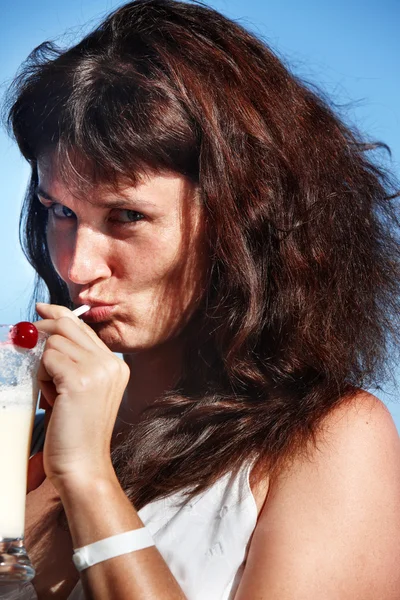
83 383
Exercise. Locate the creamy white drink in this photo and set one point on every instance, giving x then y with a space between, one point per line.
18 397
17 404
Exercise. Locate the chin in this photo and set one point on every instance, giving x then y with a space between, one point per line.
108 334
122 342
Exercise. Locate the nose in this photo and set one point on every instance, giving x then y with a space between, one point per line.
90 257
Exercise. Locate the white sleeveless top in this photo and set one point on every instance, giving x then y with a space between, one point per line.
204 542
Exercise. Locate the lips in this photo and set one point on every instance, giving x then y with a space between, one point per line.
98 314
99 311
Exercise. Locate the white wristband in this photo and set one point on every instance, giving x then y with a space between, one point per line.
110 547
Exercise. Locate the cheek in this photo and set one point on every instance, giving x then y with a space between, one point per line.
184 274
147 261
60 253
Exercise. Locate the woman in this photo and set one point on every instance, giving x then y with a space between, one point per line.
238 247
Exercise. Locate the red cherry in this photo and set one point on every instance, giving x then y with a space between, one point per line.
24 334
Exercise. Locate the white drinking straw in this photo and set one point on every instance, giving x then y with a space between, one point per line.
81 310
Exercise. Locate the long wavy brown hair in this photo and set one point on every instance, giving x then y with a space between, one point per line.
302 302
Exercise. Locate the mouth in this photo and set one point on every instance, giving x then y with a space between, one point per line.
99 313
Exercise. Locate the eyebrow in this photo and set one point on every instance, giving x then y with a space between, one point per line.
118 203
40 192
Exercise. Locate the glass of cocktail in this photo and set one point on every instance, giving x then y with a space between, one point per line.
18 398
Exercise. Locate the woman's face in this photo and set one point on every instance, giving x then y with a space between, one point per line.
137 255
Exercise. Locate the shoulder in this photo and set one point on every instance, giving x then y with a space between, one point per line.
357 437
359 432
362 411
330 525
355 458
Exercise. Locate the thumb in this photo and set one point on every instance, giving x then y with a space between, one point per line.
36 474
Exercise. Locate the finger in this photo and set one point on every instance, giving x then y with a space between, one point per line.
36 474
56 368
89 331
54 311
66 376
70 329
69 348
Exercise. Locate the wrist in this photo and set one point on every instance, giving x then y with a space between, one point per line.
96 506
85 480
111 547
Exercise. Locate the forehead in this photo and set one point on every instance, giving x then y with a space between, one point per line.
157 189
72 176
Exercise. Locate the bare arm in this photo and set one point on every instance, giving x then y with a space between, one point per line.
83 383
97 509
330 527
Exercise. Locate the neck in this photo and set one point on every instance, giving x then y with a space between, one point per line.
152 373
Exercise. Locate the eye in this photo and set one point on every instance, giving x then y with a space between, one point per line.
61 212
126 216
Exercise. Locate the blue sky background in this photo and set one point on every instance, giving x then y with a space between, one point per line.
350 49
